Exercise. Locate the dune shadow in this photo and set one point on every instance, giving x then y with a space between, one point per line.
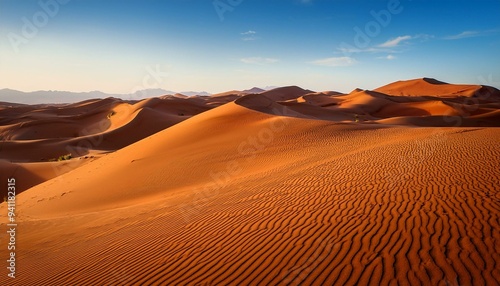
25 179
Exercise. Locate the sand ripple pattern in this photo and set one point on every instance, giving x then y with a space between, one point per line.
407 206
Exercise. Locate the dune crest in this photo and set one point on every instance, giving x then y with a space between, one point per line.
433 87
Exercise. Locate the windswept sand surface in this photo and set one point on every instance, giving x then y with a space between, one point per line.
282 187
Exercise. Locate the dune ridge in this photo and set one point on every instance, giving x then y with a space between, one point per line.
436 88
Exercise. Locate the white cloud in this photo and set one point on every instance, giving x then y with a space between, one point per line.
423 37
395 42
335 62
386 47
250 32
472 34
356 50
388 57
463 35
389 46
249 35
258 60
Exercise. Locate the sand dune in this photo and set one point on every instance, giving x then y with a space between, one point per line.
237 93
285 93
284 187
432 87
417 109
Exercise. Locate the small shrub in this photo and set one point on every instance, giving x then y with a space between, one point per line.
111 114
64 157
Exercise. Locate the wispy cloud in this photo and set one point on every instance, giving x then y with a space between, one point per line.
335 62
249 35
352 50
388 57
423 37
392 43
388 48
466 34
258 60
391 46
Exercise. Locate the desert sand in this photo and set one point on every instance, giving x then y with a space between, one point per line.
397 185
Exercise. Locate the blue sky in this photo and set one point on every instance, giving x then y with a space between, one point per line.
119 46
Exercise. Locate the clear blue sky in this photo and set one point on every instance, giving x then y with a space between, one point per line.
117 46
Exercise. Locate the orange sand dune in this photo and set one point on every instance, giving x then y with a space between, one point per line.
227 93
319 99
238 93
417 109
432 87
274 188
364 102
285 93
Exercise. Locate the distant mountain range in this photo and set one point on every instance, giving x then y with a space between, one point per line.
53 96
59 97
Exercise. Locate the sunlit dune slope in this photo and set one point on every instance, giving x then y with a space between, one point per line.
433 87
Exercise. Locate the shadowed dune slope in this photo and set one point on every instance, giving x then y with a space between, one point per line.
285 93
32 174
282 201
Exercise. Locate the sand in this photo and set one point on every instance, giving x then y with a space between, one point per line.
284 187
